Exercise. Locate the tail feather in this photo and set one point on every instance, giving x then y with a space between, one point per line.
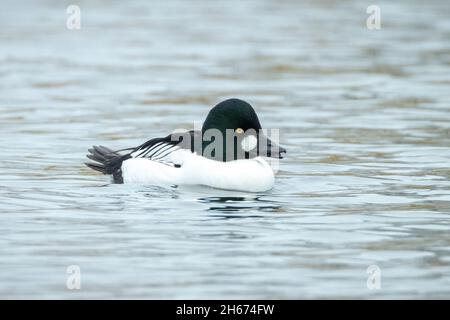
96 167
107 161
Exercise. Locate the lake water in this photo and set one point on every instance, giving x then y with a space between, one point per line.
364 115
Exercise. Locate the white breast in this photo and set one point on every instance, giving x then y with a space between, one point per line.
253 175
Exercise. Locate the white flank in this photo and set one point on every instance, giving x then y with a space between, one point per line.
253 175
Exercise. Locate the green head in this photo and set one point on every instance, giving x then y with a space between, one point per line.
232 131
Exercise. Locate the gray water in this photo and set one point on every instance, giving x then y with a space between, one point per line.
364 115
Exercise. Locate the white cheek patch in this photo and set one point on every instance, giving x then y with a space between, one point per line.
249 143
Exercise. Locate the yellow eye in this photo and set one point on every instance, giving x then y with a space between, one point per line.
239 130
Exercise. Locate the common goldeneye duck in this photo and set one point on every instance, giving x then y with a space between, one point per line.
229 152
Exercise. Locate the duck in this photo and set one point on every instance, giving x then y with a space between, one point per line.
231 151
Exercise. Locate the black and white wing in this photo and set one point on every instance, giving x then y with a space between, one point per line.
163 150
